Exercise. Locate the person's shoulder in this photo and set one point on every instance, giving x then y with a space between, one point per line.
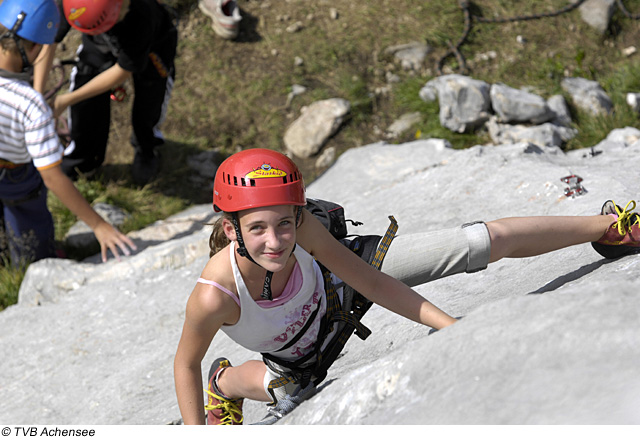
23 94
311 233
219 265
218 270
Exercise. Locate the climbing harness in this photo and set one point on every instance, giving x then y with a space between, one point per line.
310 370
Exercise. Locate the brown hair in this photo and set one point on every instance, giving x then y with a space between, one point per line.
218 239
9 44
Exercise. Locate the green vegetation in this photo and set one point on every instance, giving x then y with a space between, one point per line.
233 94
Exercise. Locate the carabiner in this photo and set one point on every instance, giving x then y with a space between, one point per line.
118 94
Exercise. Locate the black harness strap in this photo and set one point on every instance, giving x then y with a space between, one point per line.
316 363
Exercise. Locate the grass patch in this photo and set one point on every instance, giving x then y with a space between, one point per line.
10 280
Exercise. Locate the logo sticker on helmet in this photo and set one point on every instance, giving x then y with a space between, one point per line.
76 13
265 171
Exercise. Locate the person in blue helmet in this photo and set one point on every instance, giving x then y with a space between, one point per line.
30 152
121 40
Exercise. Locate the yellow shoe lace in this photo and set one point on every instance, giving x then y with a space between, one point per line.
626 218
230 410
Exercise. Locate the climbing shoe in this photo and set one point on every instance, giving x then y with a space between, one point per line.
623 235
220 409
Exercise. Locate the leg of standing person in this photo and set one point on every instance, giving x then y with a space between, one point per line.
153 88
89 123
149 108
4 246
27 220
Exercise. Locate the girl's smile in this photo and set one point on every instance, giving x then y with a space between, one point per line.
269 234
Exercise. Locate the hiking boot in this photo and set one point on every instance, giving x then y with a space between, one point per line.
145 167
220 409
225 16
623 235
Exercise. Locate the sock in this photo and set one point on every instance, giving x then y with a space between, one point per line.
216 387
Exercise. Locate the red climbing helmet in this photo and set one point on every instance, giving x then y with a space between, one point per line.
92 17
255 178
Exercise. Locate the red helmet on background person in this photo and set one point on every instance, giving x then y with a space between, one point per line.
92 17
255 178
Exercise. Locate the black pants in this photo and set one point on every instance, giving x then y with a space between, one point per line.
90 119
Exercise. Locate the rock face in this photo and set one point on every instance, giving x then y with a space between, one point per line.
543 340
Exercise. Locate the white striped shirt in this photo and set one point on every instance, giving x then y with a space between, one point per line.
27 127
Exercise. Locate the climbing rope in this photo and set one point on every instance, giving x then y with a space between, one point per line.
626 12
470 19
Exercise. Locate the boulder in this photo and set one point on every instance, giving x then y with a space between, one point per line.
545 340
464 102
513 105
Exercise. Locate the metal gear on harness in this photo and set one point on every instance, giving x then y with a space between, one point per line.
118 94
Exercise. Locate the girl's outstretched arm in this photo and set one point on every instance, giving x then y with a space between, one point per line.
373 284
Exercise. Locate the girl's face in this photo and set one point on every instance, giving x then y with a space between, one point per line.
269 234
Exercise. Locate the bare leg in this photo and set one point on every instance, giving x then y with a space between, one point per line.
518 237
245 380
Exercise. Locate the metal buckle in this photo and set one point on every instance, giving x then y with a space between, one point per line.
575 188
118 94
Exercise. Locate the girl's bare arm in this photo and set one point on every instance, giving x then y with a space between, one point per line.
375 285
207 310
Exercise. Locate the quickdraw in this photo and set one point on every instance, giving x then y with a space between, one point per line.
118 94
575 186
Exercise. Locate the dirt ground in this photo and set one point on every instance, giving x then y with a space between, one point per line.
231 95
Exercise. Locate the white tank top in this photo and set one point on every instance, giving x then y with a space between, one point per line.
269 329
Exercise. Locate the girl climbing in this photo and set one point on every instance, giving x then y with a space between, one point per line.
275 271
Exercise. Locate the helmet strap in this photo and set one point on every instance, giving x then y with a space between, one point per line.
243 252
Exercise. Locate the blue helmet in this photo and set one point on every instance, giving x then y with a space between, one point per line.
33 20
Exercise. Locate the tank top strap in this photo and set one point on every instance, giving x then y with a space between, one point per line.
219 286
